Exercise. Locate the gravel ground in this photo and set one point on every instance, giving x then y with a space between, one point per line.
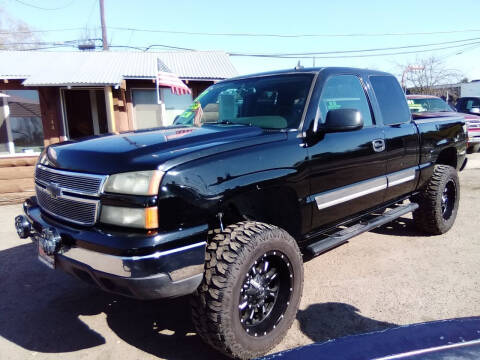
391 276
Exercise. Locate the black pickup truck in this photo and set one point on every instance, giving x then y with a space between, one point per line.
261 172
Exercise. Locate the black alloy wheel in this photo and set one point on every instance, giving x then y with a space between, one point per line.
265 293
448 199
438 201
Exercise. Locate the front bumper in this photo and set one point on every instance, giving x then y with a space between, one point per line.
168 265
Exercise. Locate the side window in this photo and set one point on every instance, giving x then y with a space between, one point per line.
391 99
344 92
471 103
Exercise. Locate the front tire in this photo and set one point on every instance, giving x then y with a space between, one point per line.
438 202
251 290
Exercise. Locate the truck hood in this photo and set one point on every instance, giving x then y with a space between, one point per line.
161 148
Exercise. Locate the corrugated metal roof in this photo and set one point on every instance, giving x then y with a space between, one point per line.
110 67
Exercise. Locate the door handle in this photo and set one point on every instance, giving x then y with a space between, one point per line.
378 145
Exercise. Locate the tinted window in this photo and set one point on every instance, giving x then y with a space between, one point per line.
344 92
391 100
269 102
472 103
428 105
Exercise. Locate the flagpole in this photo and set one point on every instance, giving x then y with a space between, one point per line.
157 85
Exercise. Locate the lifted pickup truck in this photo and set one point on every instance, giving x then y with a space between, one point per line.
261 171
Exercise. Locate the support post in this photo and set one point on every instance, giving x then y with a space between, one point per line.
110 113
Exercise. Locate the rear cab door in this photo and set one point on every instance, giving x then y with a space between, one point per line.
402 141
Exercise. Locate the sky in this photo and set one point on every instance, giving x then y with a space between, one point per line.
367 19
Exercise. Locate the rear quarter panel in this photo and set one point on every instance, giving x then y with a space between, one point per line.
436 136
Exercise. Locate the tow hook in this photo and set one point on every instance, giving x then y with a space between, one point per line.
23 227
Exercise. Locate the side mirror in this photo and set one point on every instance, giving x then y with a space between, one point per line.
475 110
340 120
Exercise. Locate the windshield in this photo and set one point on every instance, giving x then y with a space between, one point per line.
269 102
428 105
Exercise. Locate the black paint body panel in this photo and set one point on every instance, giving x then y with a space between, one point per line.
267 175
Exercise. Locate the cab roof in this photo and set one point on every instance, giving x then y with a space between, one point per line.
315 70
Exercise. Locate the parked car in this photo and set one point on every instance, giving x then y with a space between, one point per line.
288 164
435 106
469 105
456 339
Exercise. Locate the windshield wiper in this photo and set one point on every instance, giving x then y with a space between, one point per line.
230 122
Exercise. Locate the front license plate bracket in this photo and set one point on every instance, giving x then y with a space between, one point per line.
48 260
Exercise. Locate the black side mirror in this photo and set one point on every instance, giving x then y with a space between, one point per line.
340 120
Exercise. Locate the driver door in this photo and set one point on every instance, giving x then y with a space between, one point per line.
347 170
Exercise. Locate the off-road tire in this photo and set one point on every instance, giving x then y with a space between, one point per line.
429 217
229 256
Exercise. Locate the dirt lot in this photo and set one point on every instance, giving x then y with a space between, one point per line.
392 276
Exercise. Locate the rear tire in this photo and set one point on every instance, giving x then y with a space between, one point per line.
438 202
251 290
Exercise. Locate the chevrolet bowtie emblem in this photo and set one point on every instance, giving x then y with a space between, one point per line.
54 190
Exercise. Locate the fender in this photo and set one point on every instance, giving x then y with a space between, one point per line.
208 185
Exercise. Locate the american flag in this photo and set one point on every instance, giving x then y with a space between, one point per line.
166 78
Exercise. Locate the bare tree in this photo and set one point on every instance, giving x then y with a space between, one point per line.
15 33
429 76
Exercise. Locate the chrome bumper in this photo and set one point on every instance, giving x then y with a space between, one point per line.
172 270
139 266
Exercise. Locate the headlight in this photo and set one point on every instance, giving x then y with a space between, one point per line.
142 218
134 183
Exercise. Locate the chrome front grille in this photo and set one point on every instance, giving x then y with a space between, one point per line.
69 196
76 210
85 184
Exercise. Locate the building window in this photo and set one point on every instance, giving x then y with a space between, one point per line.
174 105
21 128
150 114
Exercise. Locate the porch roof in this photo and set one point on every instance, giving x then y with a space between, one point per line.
45 68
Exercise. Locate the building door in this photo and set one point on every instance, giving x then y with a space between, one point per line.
85 112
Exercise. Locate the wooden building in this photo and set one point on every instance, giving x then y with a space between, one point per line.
48 97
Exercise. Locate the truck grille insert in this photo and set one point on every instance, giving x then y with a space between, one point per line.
76 210
85 184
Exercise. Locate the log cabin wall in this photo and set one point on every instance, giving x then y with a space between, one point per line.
16 179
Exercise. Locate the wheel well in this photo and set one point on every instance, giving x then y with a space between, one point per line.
447 157
276 206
